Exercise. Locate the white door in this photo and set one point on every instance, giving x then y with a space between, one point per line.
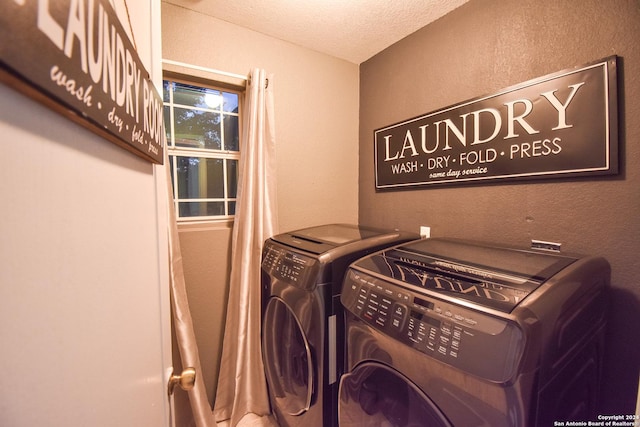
84 294
84 308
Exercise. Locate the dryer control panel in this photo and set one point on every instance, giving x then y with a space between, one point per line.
289 266
482 345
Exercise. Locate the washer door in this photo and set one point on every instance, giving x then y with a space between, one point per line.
287 359
374 395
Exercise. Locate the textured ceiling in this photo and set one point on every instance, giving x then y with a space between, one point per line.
353 30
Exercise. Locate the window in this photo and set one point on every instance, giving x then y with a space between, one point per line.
202 126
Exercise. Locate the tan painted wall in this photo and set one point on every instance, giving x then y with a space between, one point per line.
316 109
316 103
478 49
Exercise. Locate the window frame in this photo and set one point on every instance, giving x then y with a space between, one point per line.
174 152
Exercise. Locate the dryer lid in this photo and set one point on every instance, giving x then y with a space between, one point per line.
490 276
323 238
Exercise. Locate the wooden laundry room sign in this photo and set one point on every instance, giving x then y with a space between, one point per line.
561 125
75 57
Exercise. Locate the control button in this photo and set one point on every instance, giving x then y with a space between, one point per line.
411 333
399 310
399 313
433 333
361 300
403 297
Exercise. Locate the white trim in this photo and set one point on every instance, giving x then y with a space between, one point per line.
164 202
205 69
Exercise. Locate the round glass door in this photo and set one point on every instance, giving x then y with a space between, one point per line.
287 359
374 395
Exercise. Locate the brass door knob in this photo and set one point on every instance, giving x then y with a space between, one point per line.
186 380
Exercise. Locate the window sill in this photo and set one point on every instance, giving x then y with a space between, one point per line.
205 225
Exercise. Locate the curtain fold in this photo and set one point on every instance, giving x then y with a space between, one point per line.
242 397
182 322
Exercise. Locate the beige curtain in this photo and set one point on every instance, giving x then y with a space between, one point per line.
182 322
242 397
242 394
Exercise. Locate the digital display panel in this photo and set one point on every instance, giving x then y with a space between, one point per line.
423 303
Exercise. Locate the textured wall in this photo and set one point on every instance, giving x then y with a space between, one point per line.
478 49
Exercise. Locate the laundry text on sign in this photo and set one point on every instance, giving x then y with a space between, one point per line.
77 54
516 112
564 123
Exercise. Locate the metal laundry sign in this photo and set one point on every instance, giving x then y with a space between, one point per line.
75 57
562 124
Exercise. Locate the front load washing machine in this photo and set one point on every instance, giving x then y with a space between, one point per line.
303 326
442 332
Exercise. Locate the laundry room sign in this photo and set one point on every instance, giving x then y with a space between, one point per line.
563 124
75 57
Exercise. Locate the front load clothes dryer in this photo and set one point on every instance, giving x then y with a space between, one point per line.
303 326
442 332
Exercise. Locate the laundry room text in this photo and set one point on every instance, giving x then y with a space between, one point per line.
557 125
76 57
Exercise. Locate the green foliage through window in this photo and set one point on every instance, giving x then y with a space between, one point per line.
203 141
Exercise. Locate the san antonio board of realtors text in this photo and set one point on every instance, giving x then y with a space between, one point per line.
562 124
